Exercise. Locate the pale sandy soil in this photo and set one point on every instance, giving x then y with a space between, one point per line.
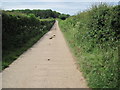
48 64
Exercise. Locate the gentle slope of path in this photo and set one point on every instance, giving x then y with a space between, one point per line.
48 64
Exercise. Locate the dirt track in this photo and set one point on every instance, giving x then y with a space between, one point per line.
48 64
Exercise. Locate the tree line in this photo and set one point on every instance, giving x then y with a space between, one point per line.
42 14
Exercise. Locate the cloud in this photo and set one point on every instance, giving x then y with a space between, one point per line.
60 0
32 1
63 7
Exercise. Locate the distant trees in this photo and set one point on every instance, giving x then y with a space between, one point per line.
42 14
64 16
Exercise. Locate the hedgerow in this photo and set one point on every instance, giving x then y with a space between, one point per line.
94 36
19 32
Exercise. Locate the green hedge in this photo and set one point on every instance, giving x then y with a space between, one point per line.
93 36
19 32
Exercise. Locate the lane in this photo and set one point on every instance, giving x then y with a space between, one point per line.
48 64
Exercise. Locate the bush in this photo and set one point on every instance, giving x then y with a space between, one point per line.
19 32
93 36
63 16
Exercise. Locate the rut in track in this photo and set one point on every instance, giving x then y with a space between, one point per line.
48 64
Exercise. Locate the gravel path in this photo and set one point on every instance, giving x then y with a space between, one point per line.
48 64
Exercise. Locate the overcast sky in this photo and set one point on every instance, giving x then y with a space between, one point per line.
59 0
64 6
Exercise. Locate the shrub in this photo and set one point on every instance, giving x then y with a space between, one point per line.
94 38
19 32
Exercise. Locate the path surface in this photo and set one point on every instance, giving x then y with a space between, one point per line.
48 64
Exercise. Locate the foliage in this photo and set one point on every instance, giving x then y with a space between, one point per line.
93 36
63 16
42 14
19 32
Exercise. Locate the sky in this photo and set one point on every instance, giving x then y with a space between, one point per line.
63 6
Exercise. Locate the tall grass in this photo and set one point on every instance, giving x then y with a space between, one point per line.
19 32
93 36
